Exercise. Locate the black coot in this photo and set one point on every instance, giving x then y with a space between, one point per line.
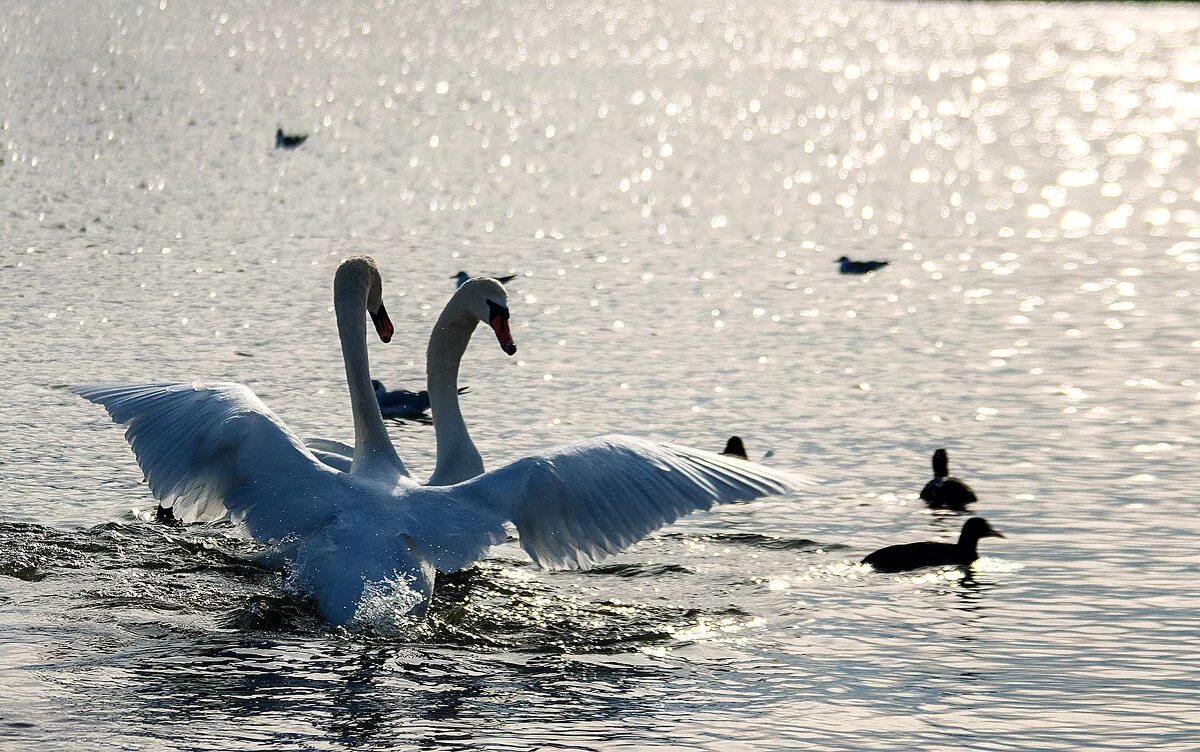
943 491
932 554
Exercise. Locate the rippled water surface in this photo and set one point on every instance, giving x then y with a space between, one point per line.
673 181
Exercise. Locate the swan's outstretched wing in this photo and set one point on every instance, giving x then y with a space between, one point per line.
579 503
207 449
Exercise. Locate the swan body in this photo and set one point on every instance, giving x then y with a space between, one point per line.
860 267
735 448
210 450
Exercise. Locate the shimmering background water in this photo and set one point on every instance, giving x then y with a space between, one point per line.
674 181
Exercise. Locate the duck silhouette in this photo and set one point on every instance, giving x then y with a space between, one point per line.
860 267
943 491
288 141
735 448
934 554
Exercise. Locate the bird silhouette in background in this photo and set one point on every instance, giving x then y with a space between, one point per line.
933 554
462 277
736 448
944 491
286 141
401 403
860 267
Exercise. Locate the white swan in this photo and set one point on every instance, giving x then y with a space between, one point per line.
458 458
216 448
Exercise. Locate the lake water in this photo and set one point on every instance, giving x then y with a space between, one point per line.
674 181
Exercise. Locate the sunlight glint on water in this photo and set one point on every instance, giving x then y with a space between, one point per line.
673 182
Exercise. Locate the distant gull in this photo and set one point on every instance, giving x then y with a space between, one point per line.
401 403
461 278
286 141
945 491
860 267
931 554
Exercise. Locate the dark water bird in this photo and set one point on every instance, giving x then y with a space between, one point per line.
943 491
933 554
860 267
166 516
400 403
461 278
288 141
735 448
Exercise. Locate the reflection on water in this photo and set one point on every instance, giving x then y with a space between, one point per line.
674 182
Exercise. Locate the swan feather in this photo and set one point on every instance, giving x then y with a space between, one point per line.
208 449
579 503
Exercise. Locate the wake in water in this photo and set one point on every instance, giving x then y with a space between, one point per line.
205 577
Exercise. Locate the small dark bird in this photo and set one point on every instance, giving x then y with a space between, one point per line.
402 403
462 277
932 554
860 267
285 141
735 448
943 491
166 515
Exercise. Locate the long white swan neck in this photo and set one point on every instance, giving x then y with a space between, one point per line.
372 446
457 457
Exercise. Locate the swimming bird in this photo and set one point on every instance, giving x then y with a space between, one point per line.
933 554
287 141
210 450
735 448
860 267
944 491
400 403
461 278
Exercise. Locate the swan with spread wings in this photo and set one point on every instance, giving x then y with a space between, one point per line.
210 450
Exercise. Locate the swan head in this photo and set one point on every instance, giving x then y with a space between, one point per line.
353 276
486 300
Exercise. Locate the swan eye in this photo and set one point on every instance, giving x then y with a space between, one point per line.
496 310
